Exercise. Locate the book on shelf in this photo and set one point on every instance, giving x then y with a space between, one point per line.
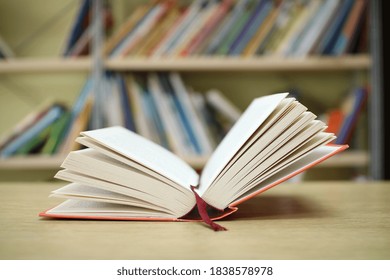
289 23
224 27
23 124
342 121
144 27
178 29
166 111
146 46
79 26
349 34
262 31
316 27
223 105
328 41
35 131
5 50
158 106
123 176
254 22
125 28
241 28
82 31
210 24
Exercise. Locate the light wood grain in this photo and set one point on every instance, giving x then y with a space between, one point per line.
231 64
44 65
303 221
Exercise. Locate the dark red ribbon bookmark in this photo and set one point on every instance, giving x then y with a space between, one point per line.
202 210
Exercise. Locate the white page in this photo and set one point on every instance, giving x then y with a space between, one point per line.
75 208
262 149
267 124
90 143
312 158
146 153
75 177
251 119
87 192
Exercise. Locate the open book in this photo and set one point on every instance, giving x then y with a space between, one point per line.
123 176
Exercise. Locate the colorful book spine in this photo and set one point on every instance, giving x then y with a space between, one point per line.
359 98
237 28
256 20
51 116
232 28
330 37
78 26
208 28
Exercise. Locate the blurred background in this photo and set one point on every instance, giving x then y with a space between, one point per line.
80 64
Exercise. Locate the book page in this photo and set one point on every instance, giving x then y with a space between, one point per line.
146 153
314 157
87 192
95 209
275 137
89 167
251 119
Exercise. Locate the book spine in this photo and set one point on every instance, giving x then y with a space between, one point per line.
237 27
177 29
225 29
319 22
137 31
208 28
78 26
194 123
195 29
53 114
168 117
330 37
256 20
352 23
126 104
127 27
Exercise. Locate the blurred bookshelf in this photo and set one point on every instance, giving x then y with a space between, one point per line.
356 65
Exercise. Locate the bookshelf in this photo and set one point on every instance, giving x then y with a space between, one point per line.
215 64
260 64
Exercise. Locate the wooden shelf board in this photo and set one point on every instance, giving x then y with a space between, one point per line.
31 162
347 159
267 63
358 62
45 65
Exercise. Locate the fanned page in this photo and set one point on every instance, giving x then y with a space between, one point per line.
125 176
104 172
273 134
257 112
312 158
146 153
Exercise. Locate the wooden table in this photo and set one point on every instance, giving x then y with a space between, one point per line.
325 220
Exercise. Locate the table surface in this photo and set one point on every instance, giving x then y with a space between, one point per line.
311 220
